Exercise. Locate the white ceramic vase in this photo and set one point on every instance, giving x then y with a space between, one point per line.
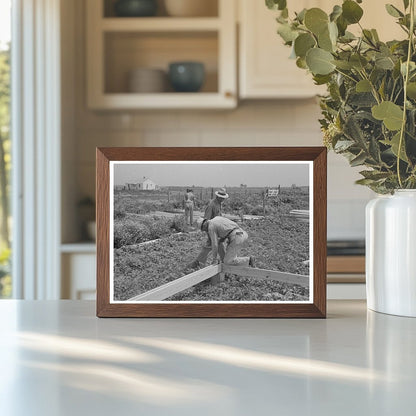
391 253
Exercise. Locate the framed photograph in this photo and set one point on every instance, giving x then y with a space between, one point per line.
211 232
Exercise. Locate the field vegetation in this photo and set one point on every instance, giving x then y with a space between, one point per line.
274 245
135 229
276 240
248 201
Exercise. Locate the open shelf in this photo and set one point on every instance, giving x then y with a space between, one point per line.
127 51
87 247
160 24
210 9
116 46
167 100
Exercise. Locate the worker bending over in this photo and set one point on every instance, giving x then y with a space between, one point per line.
222 230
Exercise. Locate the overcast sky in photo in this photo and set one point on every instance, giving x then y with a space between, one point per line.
215 175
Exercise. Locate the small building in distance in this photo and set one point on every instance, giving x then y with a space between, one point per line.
144 184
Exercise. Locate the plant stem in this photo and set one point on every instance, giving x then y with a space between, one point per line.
405 81
373 88
391 98
346 75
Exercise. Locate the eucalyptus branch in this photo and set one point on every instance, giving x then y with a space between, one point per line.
357 47
405 81
365 61
404 28
369 40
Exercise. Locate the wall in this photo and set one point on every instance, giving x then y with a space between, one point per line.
253 123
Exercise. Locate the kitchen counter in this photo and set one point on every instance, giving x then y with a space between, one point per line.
57 358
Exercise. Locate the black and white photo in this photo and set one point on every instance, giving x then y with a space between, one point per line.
185 231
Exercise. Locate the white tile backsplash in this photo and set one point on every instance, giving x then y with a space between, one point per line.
346 219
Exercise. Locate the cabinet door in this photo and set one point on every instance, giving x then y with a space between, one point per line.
265 68
78 276
266 71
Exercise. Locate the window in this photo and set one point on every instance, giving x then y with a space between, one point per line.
5 147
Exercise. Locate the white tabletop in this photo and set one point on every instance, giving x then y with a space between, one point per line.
57 358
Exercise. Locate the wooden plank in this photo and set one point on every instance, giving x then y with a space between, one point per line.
218 278
345 278
291 278
176 286
346 264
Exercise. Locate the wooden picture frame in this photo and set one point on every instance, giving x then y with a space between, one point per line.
138 306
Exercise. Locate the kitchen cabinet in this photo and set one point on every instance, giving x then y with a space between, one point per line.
118 45
78 262
265 70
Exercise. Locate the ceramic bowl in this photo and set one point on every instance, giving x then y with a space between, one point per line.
147 80
186 76
135 8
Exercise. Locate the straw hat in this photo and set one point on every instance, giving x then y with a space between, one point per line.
221 193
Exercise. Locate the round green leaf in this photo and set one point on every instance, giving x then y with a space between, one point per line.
363 86
303 43
351 11
301 63
327 39
391 114
344 65
276 4
384 62
301 15
325 42
393 11
358 61
333 32
322 79
394 145
342 25
336 12
316 20
411 90
287 33
319 61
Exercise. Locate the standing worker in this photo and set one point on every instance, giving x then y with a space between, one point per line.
189 207
212 210
221 230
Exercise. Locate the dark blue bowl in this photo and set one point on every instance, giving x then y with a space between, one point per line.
186 76
135 8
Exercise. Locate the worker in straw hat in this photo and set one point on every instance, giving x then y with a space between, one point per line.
222 230
213 209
